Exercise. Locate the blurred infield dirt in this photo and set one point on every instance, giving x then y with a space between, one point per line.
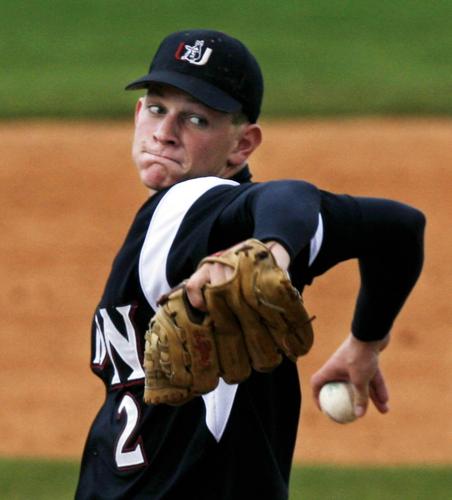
68 194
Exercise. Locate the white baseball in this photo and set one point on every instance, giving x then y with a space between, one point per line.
336 401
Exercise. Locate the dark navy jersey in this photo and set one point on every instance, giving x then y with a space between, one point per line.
237 441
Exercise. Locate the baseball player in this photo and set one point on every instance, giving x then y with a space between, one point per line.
195 129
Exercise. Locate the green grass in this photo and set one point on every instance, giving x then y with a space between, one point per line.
72 58
378 483
24 479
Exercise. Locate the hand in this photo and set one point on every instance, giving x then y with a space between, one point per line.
356 362
216 273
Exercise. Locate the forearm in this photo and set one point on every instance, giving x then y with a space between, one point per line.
389 265
387 239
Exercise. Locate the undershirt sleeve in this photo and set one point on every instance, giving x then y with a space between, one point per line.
387 239
390 263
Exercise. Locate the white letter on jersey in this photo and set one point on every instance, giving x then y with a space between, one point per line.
127 349
101 351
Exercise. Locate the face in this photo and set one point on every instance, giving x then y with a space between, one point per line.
178 138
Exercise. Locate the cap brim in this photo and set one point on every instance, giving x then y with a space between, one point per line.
199 89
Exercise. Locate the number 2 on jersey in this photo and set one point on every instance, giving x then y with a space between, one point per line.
127 456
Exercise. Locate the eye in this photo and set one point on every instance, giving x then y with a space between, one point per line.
155 109
198 121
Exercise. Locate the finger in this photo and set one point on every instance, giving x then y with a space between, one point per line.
361 397
214 274
194 286
280 254
219 273
379 393
316 385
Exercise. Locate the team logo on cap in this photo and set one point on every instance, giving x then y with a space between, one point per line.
194 54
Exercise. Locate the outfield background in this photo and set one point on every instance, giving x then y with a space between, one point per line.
358 99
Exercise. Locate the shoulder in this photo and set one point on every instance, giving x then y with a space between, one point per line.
193 188
180 197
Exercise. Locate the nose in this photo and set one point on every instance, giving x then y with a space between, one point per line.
166 130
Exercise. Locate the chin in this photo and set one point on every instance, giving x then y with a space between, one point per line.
153 185
152 178
157 176
156 182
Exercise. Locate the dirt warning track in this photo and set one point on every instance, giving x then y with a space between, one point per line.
68 192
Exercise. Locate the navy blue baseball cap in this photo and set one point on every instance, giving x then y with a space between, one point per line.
213 67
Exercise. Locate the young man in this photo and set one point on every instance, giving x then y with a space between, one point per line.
195 130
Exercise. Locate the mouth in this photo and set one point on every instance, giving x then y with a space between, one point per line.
159 157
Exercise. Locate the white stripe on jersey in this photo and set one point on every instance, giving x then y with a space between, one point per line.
218 407
316 242
162 230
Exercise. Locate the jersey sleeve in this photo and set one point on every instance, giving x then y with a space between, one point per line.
285 211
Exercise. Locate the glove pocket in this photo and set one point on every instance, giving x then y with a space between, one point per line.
167 379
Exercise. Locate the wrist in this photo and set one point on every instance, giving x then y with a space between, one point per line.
370 345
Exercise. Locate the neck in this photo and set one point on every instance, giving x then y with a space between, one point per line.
243 175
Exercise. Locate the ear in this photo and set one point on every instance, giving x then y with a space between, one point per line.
249 138
138 108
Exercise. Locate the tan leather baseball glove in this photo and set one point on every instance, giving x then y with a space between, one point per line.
253 319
